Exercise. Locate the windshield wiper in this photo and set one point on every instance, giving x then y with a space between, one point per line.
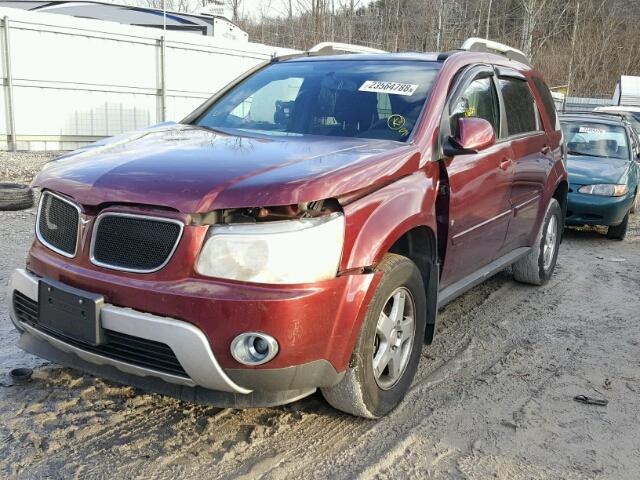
584 154
211 129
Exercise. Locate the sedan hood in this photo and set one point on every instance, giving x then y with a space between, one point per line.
193 170
585 170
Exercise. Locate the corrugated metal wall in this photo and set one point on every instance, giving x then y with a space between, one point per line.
581 104
75 80
627 91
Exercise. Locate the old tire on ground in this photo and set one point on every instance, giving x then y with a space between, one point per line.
14 196
618 232
387 351
537 266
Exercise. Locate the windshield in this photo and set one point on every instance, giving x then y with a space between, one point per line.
596 139
359 98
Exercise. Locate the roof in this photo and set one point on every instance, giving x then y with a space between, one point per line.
593 117
408 56
619 108
439 57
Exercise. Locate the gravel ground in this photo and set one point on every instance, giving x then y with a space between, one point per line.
20 167
493 396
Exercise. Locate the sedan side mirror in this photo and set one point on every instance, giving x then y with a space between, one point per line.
474 134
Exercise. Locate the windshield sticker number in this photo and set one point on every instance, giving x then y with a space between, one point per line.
392 88
591 130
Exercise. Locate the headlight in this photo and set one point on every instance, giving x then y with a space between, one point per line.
289 251
605 190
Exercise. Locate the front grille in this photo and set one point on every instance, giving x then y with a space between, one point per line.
133 242
119 346
57 224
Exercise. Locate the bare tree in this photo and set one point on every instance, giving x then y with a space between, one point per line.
606 45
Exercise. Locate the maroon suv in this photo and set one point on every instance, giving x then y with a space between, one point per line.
297 231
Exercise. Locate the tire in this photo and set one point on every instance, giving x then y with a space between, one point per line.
14 196
618 232
537 266
361 392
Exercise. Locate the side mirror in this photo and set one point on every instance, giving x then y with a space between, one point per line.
474 134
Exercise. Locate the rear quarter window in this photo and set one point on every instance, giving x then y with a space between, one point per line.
519 106
547 101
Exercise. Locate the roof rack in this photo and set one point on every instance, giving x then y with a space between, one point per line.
475 44
336 48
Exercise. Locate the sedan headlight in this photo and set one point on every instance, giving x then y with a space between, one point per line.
606 190
289 251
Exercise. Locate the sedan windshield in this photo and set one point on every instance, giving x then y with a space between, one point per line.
596 139
345 98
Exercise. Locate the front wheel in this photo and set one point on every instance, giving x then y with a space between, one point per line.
618 232
636 204
388 348
537 266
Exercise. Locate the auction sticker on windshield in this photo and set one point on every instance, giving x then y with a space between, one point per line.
393 88
591 130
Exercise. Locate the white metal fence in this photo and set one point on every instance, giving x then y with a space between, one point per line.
68 81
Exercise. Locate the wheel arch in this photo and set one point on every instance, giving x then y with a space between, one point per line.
377 221
420 245
561 195
398 218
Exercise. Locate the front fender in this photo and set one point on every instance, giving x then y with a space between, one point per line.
375 222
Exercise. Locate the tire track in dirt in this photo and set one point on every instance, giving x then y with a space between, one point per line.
492 394
413 399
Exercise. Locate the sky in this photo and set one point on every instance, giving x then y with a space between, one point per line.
275 8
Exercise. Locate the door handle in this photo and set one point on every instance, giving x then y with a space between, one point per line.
546 149
505 163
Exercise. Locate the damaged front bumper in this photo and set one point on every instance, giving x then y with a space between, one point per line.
203 380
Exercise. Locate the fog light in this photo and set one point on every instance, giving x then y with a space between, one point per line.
253 348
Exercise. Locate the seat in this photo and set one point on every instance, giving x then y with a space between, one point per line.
355 112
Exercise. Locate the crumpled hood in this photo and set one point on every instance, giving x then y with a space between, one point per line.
194 170
585 170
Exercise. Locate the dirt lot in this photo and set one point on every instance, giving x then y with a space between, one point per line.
493 397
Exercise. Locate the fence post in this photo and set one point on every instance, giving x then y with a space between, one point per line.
163 80
8 83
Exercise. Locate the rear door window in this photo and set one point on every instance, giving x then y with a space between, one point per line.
547 101
519 106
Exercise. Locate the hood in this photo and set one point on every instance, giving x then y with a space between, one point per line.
194 170
585 170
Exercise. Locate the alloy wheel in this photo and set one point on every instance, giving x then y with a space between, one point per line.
394 337
549 247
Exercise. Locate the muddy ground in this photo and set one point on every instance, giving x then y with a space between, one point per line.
493 396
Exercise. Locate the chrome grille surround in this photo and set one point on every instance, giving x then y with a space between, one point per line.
140 217
41 236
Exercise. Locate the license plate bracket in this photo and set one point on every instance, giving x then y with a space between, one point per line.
70 312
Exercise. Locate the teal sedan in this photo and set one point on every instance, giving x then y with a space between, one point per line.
603 155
